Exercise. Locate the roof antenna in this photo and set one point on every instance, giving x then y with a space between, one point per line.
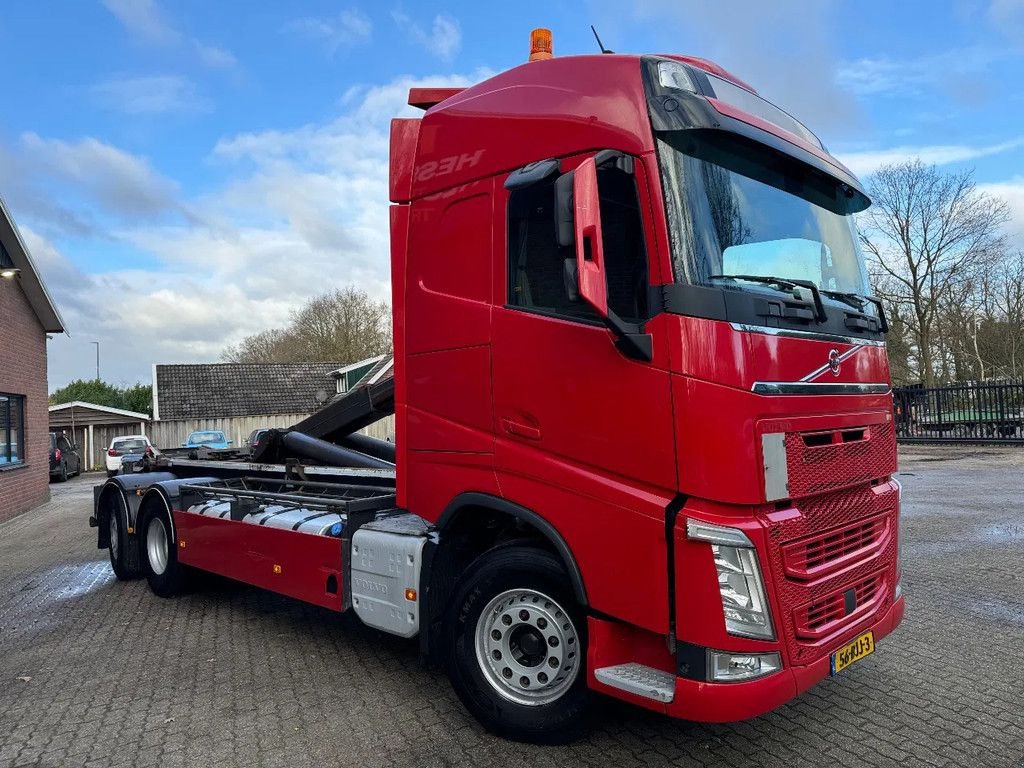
599 43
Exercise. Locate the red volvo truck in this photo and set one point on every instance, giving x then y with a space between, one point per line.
644 438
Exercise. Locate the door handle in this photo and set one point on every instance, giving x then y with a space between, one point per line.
521 430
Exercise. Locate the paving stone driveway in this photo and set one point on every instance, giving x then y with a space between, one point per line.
98 673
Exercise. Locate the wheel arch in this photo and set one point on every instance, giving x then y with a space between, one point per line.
455 516
464 536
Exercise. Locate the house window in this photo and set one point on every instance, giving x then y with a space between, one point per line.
12 430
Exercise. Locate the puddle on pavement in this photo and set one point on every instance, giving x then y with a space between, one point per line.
933 548
1003 533
999 611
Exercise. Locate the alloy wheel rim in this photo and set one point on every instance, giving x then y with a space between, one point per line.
114 542
527 647
156 545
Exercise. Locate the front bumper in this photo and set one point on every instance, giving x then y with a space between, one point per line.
700 701
728 702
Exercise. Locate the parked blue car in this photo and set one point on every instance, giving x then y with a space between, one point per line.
207 439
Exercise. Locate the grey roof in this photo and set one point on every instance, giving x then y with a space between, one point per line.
210 390
31 282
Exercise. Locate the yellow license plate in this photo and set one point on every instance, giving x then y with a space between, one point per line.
855 650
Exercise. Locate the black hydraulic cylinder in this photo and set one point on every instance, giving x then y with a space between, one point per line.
371 446
299 444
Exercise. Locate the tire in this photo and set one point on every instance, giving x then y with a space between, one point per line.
159 554
118 547
62 474
516 644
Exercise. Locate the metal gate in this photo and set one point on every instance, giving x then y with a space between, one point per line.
960 413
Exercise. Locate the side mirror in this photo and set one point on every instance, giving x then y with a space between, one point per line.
590 271
589 245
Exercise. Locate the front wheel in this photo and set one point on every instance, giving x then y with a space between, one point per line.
517 647
62 474
166 576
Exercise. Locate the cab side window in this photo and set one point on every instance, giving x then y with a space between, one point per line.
542 272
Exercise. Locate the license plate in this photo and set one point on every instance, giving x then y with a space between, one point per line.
855 650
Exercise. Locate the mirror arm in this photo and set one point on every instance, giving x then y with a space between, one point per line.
630 338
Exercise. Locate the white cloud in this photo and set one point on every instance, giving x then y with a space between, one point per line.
960 74
305 210
348 28
144 20
868 161
146 23
156 95
1008 17
214 57
1012 191
443 40
117 181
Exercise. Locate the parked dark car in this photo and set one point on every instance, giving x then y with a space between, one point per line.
252 442
65 460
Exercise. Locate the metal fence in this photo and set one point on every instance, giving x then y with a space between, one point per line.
965 413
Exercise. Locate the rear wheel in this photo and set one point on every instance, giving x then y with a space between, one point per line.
121 547
166 576
517 647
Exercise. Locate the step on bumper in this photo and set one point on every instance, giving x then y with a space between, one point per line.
640 680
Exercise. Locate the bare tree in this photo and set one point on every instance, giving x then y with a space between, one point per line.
342 326
271 346
925 233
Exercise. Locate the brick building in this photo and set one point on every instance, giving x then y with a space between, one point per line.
27 314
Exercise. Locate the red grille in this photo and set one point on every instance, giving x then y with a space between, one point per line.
830 614
825 553
817 518
828 460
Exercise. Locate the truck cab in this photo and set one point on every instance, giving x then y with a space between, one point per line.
633 321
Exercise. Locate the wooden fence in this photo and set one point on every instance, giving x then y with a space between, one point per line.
172 433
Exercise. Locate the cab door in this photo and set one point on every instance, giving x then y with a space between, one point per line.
584 433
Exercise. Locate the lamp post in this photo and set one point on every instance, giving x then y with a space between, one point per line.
97 359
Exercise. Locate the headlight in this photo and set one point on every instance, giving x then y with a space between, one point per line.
733 667
740 583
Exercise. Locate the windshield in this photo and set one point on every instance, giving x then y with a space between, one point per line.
735 208
202 438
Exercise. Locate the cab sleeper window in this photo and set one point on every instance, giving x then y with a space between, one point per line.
542 273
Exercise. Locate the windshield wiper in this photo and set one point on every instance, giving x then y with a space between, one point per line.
858 302
786 283
854 300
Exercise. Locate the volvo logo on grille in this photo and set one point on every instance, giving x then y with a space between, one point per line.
833 362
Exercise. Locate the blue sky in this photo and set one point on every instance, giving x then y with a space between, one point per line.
188 173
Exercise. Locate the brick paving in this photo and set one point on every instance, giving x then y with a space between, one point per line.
99 673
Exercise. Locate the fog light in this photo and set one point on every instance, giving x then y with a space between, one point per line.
733 667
